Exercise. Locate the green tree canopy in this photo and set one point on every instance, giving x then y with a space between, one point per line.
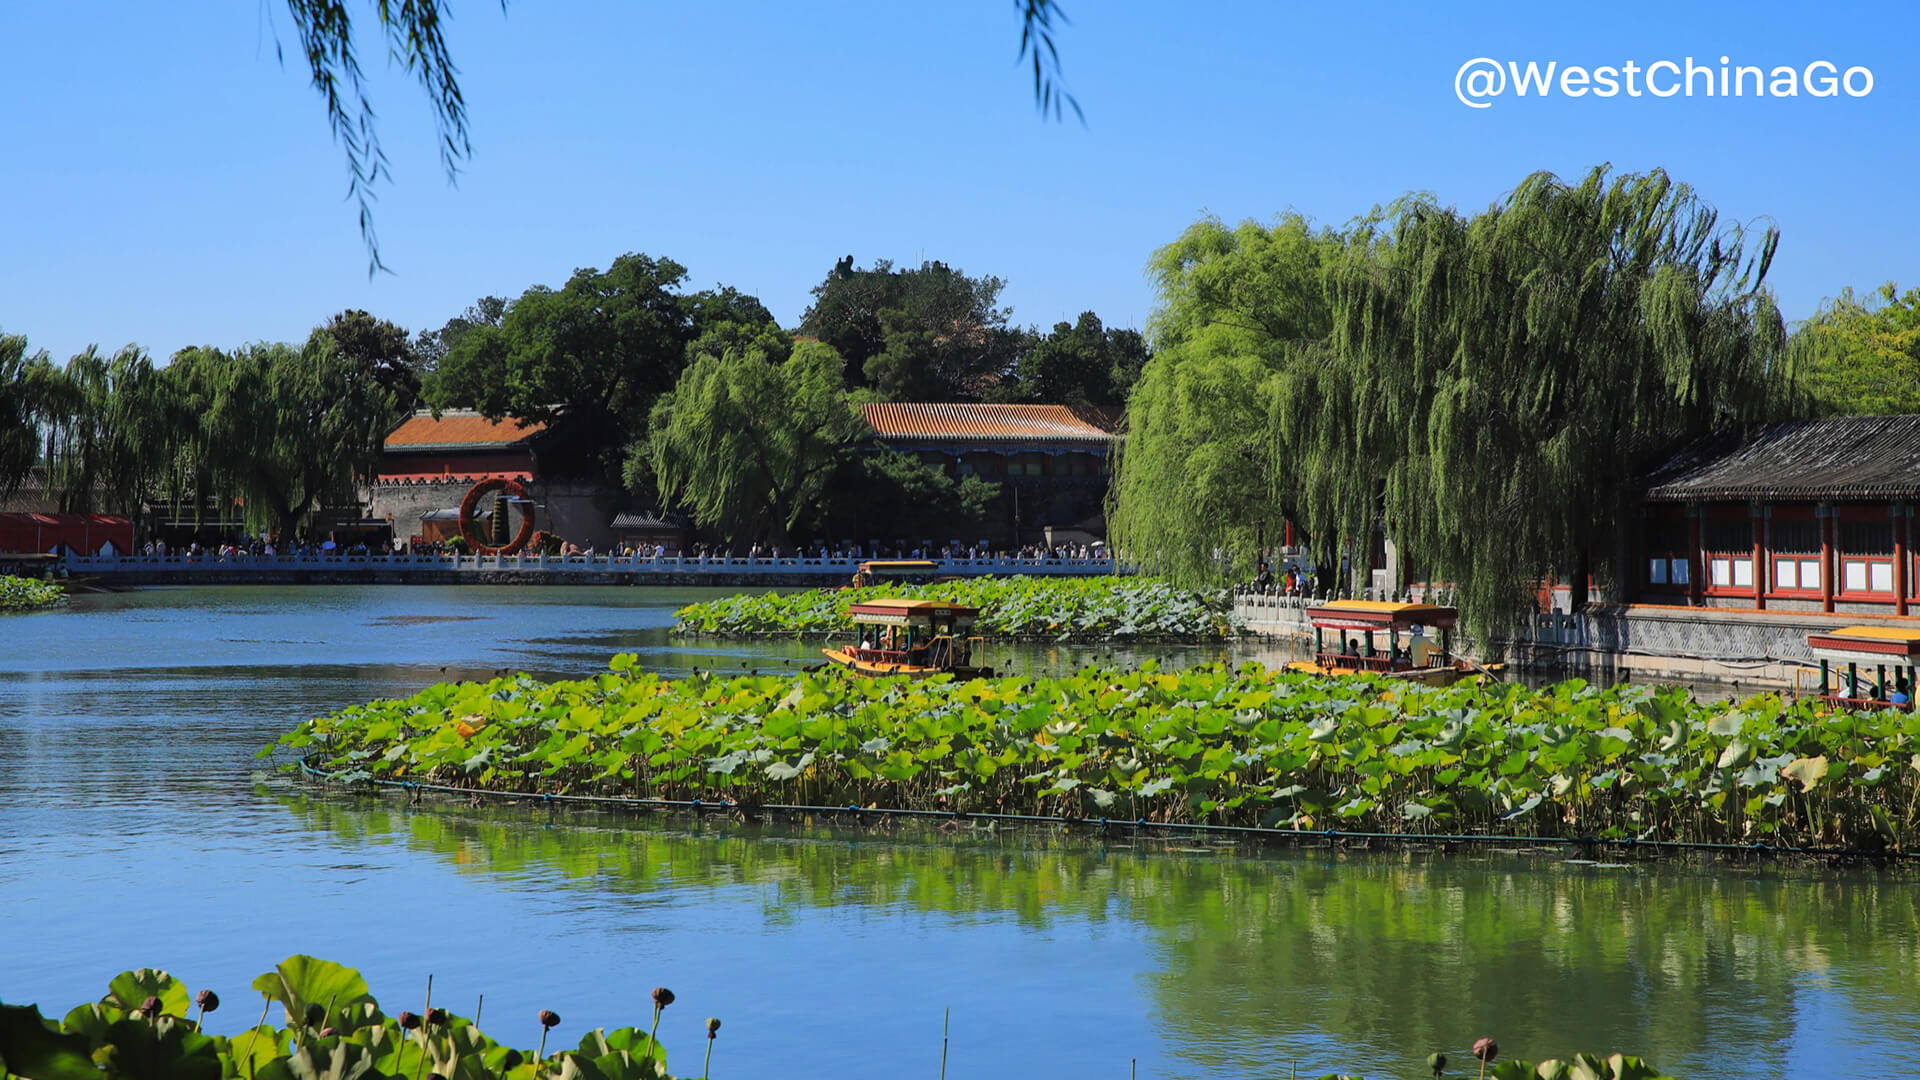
23 378
930 333
378 350
746 440
1083 364
588 359
1242 311
1489 388
1861 356
285 430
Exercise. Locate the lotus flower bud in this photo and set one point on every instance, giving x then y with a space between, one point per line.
409 1021
549 1018
662 997
1486 1049
207 1000
151 1007
713 1026
315 1014
436 1018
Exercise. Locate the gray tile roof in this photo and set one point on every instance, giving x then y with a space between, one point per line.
1843 457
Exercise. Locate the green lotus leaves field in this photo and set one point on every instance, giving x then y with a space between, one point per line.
1242 746
26 594
328 1027
1058 609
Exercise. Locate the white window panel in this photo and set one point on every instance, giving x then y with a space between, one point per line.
1783 574
1880 575
1743 573
1809 573
1721 571
1853 575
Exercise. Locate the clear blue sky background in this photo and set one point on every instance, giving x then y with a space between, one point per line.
168 182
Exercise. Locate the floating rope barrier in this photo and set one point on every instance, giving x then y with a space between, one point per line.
1104 826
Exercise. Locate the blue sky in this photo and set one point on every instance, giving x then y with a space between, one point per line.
167 182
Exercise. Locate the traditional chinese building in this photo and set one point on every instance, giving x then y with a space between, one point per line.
1053 463
1813 515
428 462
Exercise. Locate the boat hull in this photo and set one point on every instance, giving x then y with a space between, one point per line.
1445 675
841 658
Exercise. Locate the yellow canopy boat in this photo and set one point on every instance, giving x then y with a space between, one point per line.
1876 649
1356 648
915 638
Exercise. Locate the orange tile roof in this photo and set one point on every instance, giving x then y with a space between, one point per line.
461 429
982 423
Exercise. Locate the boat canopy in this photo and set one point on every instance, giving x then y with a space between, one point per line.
898 567
1895 645
921 613
1380 615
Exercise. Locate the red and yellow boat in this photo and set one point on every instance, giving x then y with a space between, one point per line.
914 638
1348 635
1869 653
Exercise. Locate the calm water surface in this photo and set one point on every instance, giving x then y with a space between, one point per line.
136 830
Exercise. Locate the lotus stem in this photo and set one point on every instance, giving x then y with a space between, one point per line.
476 1009
945 1019
426 1010
256 1036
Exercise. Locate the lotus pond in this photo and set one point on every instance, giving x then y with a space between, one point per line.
26 594
1212 744
139 829
1037 608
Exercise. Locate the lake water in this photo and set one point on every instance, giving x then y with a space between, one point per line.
136 830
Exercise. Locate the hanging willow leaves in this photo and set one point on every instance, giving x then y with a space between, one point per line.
1488 389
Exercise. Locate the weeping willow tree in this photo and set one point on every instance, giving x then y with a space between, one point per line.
1202 482
1487 389
747 440
24 378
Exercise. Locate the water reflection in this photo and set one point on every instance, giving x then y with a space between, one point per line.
1371 960
133 832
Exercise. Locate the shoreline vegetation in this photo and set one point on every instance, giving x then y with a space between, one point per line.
1058 609
147 1025
29 594
1245 747
333 1028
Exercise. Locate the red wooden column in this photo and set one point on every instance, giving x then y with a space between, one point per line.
1760 545
1696 558
1828 526
1901 516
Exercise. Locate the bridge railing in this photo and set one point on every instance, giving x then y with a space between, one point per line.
560 565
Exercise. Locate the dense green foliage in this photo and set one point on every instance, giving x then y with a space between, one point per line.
273 430
26 594
590 358
330 1028
1484 387
931 333
1209 745
1861 356
748 440
1084 364
1049 608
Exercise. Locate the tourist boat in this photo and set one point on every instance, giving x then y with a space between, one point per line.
1878 649
915 638
1363 626
901 571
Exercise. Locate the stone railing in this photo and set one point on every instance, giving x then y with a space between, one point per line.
635 566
